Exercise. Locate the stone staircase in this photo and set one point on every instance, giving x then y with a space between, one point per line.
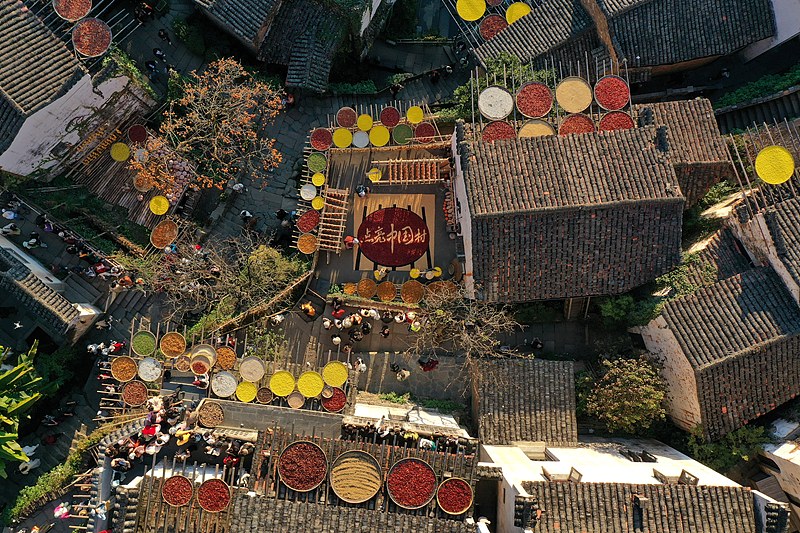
127 306
79 290
74 429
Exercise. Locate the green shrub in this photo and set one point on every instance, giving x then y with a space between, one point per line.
584 383
127 66
362 87
743 444
400 77
629 397
191 37
393 397
765 86
615 309
535 313
717 193
335 289
443 406
50 483
58 366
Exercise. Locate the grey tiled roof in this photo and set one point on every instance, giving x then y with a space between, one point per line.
526 400
34 64
662 32
35 67
742 337
312 55
305 36
659 32
722 258
697 151
733 316
265 514
53 309
556 172
550 24
573 216
783 221
693 132
247 19
570 253
11 120
611 508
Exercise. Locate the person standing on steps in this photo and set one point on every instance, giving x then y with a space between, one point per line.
162 33
159 53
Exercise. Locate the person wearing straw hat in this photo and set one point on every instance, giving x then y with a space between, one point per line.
183 437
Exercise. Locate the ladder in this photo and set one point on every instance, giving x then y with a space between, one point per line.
333 220
415 171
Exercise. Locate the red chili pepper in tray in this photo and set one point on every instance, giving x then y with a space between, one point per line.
411 483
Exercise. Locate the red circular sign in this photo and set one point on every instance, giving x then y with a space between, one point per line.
393 237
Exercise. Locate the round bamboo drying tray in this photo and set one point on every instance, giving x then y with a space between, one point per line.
412 292
296 400
356 476
455 480
367 288
211 414
124 368
172 344
307 243
387 291
252 369
226 358
573 94
282 465
398 464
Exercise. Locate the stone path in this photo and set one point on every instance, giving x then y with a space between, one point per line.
139 45
290 129
73 428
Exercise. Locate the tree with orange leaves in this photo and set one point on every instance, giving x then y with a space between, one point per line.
214 132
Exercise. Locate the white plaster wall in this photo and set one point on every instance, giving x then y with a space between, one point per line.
57 122
756 238
787 22
464 219
683 405
370 13
505 509
786 457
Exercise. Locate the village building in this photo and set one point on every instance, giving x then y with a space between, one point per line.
32 298
302 35
537 474
51 99
653 36
619 485
528 401
603 211
728 348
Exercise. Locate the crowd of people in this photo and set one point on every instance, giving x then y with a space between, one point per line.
395 435
92 263
167 418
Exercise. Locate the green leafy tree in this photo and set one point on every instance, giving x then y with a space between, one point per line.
20 388
741 445
629 396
